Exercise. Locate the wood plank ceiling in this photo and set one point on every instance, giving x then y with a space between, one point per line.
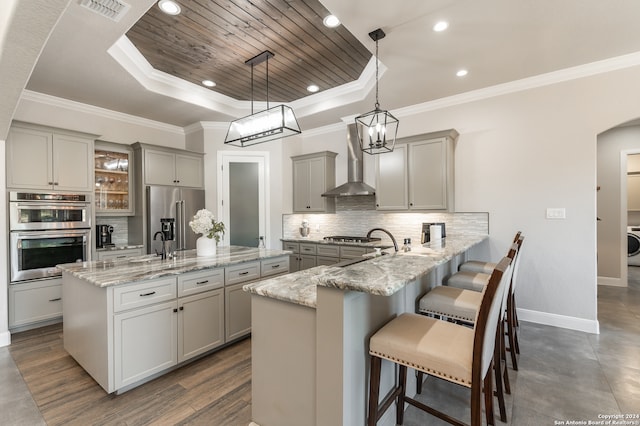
212 39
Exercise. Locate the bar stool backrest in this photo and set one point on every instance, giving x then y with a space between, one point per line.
487 320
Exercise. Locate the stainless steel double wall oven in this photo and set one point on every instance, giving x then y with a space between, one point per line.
47 230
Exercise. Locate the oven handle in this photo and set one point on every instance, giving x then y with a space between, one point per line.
30 235
40 206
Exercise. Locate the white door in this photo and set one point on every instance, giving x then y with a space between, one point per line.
243 184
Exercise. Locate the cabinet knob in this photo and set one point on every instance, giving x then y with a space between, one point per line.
182 308
49 183
410 204
175 310
56 183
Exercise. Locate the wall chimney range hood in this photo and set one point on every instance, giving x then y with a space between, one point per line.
354 185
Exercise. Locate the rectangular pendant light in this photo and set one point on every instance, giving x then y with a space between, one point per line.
273 123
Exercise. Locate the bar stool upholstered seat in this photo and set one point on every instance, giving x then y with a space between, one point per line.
455 353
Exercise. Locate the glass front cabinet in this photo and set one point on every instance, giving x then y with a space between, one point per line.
113 179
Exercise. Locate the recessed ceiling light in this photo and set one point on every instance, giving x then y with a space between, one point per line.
169 7
331 21
208 83
440 26
462 73
313 88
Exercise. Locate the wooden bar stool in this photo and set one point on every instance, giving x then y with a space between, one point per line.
445 350
461 305
476 281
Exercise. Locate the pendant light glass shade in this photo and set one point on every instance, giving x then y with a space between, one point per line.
273 123
377 129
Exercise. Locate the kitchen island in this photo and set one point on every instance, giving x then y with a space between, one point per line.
311 330
128 321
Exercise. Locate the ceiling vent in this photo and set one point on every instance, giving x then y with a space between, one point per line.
112 9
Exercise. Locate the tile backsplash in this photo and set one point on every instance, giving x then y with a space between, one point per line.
401 225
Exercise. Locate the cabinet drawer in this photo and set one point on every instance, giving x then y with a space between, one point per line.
326 260
242 272
118 254
347 252
34 301
279 265
327 250
197 282
294 247
307 248
143 294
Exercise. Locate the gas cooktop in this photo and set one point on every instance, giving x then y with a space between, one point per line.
349 239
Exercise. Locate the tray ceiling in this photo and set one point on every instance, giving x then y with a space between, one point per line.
211 40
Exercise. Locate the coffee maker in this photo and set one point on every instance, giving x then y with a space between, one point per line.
104 233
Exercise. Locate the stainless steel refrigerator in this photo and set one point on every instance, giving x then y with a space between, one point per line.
181 204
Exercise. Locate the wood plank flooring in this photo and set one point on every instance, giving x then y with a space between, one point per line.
214 390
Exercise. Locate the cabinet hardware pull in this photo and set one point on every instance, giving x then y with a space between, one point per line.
50 183
147 294
244 273
202 282
55 300
175 310
55 183
275 266
182 308
121 257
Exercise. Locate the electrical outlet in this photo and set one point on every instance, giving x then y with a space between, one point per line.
556 213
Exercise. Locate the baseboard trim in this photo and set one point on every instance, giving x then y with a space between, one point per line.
562 321
5 338
613 282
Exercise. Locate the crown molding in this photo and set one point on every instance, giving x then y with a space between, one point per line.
542 80
206 125
324 130
28 95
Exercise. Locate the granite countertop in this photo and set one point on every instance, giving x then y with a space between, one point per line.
123 271
381 275
116 247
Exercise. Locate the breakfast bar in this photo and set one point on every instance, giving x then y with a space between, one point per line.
310 331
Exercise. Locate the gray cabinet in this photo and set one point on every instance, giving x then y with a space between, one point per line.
418 174
313 175
200 323
42 158
237 301
34 302
308 255
171 167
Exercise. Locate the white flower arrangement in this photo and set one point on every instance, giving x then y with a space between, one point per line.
204 222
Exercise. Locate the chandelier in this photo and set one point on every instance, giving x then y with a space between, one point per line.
378 128
273 123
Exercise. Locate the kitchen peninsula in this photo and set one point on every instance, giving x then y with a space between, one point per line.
311 329
130 320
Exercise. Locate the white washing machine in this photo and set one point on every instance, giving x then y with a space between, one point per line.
633 245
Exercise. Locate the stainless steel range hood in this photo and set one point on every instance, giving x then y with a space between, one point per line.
354 185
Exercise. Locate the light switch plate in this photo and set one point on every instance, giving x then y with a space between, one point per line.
556 213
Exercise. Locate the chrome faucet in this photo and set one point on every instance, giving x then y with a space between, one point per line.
395 243
163 254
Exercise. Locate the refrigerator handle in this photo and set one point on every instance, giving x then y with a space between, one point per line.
178 226
184 224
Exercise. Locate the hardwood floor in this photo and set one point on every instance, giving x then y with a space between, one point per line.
214 390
